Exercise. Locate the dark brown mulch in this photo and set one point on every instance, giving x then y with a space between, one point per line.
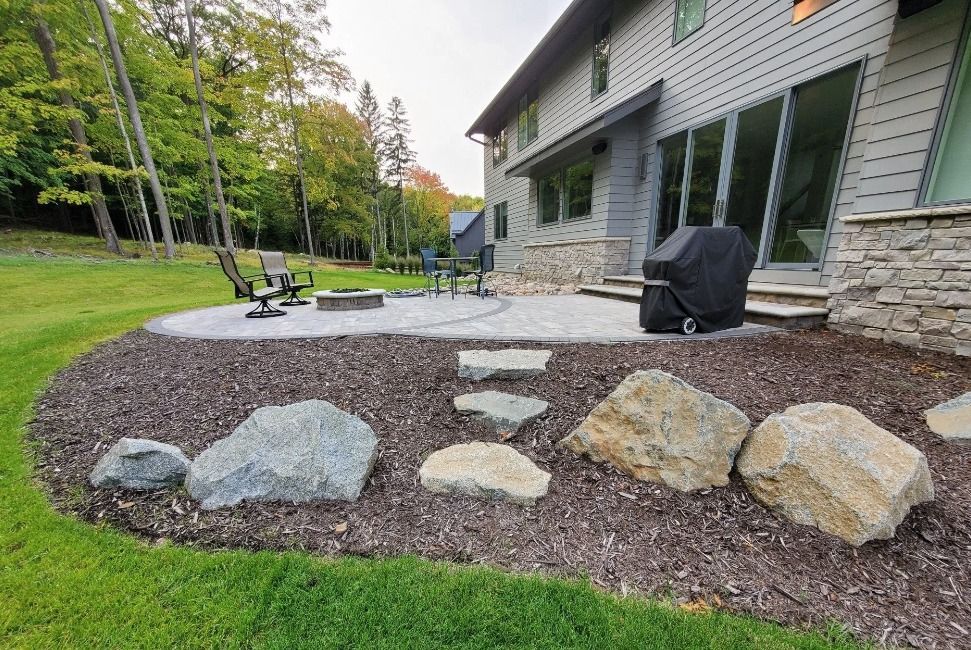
627 536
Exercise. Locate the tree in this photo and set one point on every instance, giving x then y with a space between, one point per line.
207 132
92 182
369 112
398 155
136 122
136 181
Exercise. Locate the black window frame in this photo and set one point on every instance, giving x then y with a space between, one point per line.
562 197
674 36
500 214
598 38
527 120
500 147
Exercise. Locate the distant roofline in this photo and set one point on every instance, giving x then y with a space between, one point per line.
575 17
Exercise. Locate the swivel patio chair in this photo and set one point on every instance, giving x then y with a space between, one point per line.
486 265
429 268
244 286
279 275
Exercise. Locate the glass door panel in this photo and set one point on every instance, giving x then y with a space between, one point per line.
809 178
707 149
672 151
756 138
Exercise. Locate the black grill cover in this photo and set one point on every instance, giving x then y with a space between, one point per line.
700 273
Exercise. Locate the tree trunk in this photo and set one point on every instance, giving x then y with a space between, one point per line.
92 182
404 216
135 181
136 122
207 131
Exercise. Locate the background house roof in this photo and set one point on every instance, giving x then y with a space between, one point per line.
562 35
459 222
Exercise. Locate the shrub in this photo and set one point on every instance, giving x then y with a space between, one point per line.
400 266
382 260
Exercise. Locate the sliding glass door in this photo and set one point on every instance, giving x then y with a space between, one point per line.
771 169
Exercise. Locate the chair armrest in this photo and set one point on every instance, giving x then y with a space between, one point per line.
309 274
265 279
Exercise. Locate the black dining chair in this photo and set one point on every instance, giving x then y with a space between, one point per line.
429 268
486 265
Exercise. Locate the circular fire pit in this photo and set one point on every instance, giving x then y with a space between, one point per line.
345 300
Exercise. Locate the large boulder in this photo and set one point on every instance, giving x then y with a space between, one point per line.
302 452
952 420
139 464
658 428
502 364
501 410
826 465
485 470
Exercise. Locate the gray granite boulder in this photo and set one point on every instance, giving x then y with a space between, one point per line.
302 452
951 420
501 410
502 364
485 470
140 464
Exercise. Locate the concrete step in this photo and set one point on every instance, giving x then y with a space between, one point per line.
785 316
788 294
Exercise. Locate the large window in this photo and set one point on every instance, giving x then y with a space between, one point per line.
571 188
528 120
548 195
500 148
689 15
500 220
601 58
771 168
950 179
813 160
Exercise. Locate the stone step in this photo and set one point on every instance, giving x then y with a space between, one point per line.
789 294
785 316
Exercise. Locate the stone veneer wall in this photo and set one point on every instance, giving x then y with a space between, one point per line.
576 261
905 277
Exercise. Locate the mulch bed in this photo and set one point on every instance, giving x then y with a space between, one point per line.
718 546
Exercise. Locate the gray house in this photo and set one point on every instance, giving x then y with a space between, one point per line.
467 230
822 128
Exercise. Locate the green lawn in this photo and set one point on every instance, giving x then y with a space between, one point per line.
65 583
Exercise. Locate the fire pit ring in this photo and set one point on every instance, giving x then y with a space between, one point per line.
337 300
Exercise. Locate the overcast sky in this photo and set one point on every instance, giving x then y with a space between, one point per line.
446 59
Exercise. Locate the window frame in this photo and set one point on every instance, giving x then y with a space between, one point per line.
964 43
526 134
820 6
561 212
674 32
598 28
500 210
500 147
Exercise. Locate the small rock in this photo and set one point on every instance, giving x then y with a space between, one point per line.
658 428
828 466
501 410
502 364
951 420
302 452
486 470
140 464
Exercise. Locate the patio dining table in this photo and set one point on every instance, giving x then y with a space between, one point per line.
452 266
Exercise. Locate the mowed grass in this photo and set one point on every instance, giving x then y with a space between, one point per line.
65 583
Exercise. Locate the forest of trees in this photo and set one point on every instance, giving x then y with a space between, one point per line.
216 122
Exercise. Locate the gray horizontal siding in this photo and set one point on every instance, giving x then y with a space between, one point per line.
747 50
912 88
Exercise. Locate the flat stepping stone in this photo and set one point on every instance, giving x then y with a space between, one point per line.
502 364
952 420
485 470
504 411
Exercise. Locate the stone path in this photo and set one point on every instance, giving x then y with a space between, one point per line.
573 319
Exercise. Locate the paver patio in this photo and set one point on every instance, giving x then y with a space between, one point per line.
573 319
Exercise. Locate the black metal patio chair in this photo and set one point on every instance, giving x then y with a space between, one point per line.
244 285
279 275
429 268
486 265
